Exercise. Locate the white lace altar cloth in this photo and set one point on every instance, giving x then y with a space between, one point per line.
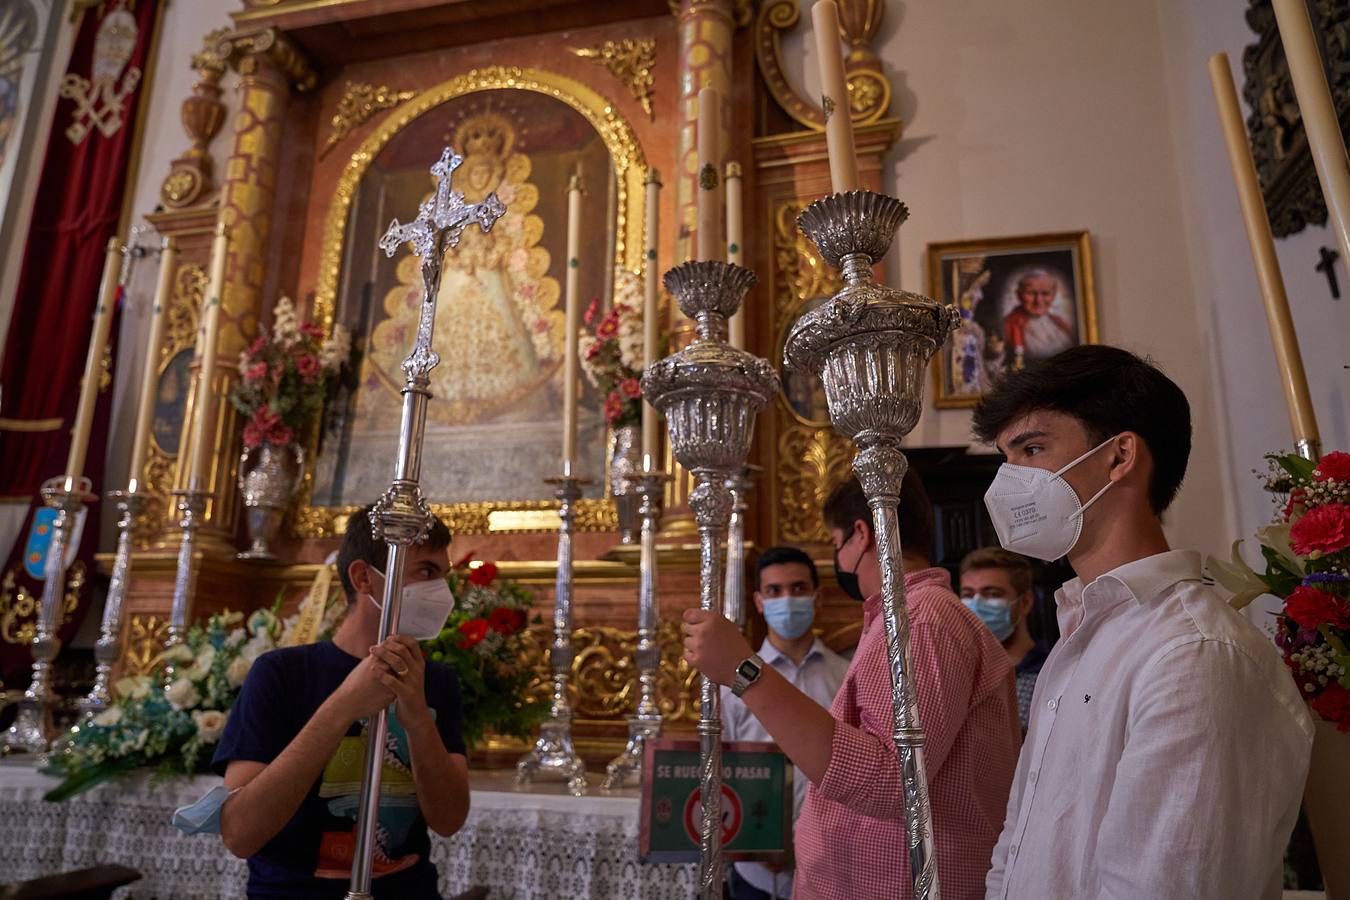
531 845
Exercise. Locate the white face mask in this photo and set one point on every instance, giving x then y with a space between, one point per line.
423 609
1036 512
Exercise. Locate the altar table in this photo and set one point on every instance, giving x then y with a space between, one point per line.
539 844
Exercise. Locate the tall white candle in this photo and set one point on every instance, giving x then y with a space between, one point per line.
1319 115
205 413
145 409
709 169
834 97
572 311
93 364
736 244
651 327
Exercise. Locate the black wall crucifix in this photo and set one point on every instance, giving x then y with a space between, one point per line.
1328 267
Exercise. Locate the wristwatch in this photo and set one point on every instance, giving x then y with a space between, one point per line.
747 673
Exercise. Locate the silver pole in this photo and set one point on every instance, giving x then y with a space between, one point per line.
870 345
109 646
401 517
739 485
645 724
709 394
554 751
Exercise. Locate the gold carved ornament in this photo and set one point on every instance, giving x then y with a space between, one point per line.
604 676
358 104
812 457
18 608
101 98
630 169
869 91
202 114
146 634
631 61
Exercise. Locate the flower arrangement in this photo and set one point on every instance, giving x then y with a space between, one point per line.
483 641
285 376
611 354
174 729
1307 555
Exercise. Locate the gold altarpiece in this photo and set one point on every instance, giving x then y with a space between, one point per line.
336 101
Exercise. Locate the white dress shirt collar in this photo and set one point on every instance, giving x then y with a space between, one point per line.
1140 580
771 654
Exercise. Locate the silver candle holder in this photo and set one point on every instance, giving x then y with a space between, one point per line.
644 725
709 393
191 504
109 646
553 752
870 346
400 517
739 484
33 729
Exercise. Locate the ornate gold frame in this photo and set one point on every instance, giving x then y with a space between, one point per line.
1079 241
630 167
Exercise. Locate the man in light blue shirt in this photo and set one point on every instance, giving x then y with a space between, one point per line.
786 596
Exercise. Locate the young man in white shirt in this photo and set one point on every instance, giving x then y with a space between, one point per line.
1168 747
786 596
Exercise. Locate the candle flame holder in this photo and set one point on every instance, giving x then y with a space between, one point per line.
710 393
870 346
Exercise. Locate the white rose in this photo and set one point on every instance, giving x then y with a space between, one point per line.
202 666
110 716
136 687
256 646
238 671
181 694
235 638
210 723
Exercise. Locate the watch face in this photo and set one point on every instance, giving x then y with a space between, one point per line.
747 669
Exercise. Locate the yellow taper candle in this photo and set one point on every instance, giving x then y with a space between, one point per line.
736 244
93 364
145 407
573 314
834 97
708 239
1268 277
1319 115
651 327
204 415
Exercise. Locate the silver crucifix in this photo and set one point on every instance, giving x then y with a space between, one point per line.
401 517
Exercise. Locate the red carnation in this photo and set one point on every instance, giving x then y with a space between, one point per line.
631 388
483 575
280 436
608 328
1311 607
253 437
472 632
613 407
1323 529
593 350
591 311
1333 704
312 330
308 367
502 620
256 372
1333 467
256 347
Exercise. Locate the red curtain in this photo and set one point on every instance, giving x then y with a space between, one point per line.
79 201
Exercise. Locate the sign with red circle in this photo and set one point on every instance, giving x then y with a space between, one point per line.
731 814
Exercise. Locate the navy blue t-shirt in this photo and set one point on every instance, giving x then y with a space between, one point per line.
311 855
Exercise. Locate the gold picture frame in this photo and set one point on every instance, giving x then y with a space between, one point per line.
1021 299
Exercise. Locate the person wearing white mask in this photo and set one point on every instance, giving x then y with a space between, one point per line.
787 585
1168 746
996 587
294 744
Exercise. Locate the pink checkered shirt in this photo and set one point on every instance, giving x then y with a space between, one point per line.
851 833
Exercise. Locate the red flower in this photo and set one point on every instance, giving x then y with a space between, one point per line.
1323 529
591 312
1294 508
280 436
593 350
312 330
1311 607
264 419
1333 467
256 347
308 367
252 436
613 407
472 632
464 560
256 372
1333 704
483 575
631 388
502 620
607 328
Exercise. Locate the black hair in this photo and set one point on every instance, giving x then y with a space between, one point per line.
1109 391
359 543
848 504
777 556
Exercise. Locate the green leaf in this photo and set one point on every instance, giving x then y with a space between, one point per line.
1282 581
1297 467
85 779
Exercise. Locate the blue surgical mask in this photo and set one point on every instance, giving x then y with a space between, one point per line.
790 617
995 614
202 817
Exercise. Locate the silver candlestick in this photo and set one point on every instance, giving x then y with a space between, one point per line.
709 393
109 646
734 602
870 345
192 512
401 517
645 723
33 730
553 751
